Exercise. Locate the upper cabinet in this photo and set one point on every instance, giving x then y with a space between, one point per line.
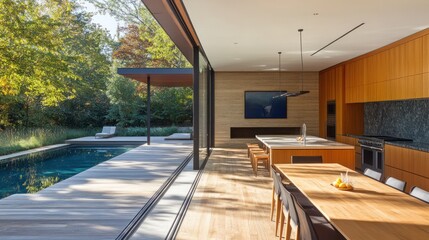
348 117
396 72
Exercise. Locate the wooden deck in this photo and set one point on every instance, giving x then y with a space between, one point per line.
97 203
230 203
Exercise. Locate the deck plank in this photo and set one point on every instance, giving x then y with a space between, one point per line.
97 203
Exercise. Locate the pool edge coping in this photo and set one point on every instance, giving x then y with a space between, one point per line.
7 157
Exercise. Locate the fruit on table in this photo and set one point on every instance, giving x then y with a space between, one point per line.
337 182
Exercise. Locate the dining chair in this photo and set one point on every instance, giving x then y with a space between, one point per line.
395 183
288 213
306 159
276 199
372 174
313 225
420 194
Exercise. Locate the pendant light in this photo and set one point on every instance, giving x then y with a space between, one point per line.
279 78
298 93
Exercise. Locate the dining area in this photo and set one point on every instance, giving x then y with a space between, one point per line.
306 204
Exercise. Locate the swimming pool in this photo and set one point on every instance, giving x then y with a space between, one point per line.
34 172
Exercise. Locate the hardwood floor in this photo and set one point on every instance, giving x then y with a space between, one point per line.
230 203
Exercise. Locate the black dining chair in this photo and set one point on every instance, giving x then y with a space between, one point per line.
420 194
276 199
313 226
288 214
306 159
372 174
395 183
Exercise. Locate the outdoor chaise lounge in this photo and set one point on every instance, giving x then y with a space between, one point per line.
108 131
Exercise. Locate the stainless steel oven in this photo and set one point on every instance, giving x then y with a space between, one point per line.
373 158
373 151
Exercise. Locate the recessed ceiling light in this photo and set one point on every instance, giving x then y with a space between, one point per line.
235 43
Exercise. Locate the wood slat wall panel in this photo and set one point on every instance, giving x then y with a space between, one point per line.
229 102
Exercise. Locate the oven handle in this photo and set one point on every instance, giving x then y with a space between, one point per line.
373 148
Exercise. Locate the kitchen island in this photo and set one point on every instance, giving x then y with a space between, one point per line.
282 147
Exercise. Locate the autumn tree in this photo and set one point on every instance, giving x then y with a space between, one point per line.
145 44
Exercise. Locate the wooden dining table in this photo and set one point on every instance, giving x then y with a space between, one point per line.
372 210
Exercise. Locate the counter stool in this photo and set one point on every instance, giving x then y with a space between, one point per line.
260 157
250 146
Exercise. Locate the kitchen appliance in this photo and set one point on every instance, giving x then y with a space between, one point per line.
331 121
373 151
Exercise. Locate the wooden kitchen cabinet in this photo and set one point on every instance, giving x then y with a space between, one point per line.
349 117
354 142
395 72
408 165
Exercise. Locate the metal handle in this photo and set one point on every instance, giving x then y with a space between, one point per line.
373 148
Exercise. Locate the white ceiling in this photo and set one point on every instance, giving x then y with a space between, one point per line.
245 35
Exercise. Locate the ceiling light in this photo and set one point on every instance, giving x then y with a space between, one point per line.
298 93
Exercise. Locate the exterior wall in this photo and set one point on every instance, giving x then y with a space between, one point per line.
229 102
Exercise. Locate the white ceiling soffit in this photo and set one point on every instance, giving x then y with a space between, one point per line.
245 35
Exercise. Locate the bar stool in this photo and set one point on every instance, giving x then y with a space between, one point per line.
252 151
249 146
260 157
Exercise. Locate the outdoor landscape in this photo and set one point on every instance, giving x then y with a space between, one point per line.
58 75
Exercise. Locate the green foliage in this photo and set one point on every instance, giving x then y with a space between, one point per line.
14 140
49 53
58 69
172 106
127 107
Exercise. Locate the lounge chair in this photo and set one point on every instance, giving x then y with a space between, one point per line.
108 131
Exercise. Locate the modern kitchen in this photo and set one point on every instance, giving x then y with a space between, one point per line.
378 102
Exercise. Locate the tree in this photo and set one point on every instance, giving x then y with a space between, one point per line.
144 44
49 53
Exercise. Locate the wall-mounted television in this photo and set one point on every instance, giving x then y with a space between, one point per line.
265 104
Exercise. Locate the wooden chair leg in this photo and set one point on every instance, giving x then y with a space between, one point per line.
282 223
278 212
288 228
272 204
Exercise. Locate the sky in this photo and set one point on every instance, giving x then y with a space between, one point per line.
106 21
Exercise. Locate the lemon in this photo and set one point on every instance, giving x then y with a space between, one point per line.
343 185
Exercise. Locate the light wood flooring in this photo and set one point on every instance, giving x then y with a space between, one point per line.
230 203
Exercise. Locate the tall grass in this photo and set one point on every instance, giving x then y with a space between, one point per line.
14 140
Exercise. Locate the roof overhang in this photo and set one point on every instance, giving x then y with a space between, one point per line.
161 77
177 26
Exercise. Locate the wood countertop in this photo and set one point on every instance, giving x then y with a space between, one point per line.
290 142
372 210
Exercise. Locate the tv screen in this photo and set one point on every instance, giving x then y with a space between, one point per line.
266 104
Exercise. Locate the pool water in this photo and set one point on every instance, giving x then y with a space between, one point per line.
34 172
